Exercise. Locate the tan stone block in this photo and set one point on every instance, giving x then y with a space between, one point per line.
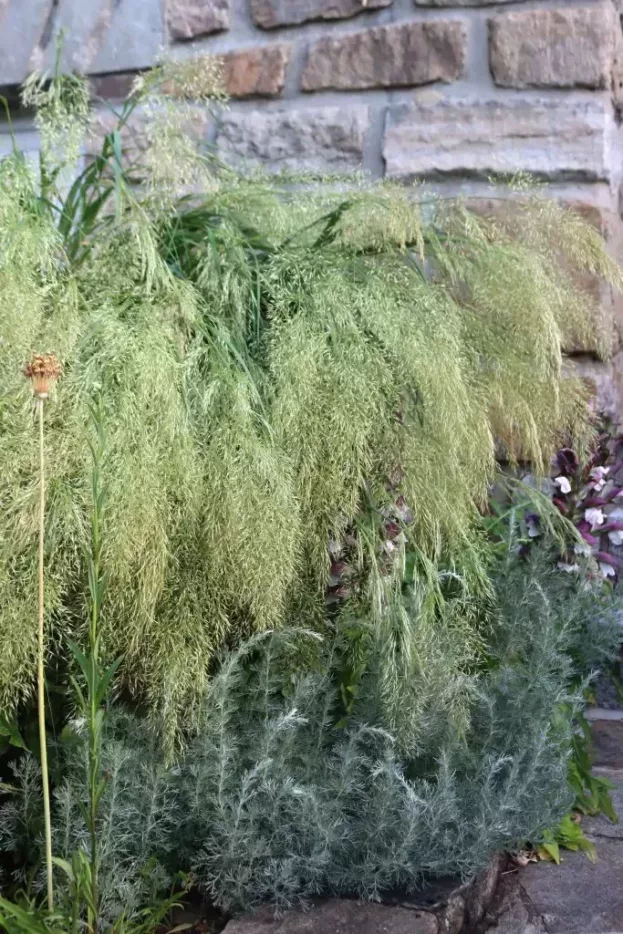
259 71
272 13
554 48
387 56
188 19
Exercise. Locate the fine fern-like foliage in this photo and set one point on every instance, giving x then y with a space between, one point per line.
263 355
278 798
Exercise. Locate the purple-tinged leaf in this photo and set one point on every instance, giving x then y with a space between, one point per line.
607 558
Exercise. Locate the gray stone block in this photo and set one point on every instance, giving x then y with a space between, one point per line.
601 826
338 916
85 26
461 3
272 13
579 897
135 37
22 28
327 139
548 138
608 741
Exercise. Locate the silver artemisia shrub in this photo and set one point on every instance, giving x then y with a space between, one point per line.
278 799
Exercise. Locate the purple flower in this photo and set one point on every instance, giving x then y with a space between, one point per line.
567 461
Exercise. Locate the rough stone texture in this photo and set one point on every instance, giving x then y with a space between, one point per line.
271 13
579 897
617 70
113 87
259 71
600 826
555 139
559 48
387 56
481 891
134 38
135 135
338 916
438 908
188 19
604 381
85 26
307 140
607 738
21 29
461 3
513 912
451 919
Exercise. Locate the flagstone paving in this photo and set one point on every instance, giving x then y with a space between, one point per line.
577 897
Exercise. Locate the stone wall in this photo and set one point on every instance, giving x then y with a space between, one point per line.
446 91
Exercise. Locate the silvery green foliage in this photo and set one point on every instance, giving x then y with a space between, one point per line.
138 814
284 804
279 797
21 817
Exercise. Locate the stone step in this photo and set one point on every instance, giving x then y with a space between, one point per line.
607 734
577 897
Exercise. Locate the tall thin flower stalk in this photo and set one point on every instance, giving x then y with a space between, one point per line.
43 370
91 697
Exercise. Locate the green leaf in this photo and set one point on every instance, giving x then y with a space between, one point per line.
80 657
606 806
588 847
65 866
553 850
105 679
12 733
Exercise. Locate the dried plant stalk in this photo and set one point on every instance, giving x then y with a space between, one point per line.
43 370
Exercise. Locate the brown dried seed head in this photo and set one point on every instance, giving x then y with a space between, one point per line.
43 371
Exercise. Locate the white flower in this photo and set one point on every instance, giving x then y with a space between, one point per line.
599 476
389 546
594 517
606 569
582 548
616 537
569 568
563 484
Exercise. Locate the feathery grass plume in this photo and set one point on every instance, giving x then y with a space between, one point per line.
264 354
61 105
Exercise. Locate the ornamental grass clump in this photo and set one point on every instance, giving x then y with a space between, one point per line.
273 362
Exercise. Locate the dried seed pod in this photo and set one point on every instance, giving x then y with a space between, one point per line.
43 371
